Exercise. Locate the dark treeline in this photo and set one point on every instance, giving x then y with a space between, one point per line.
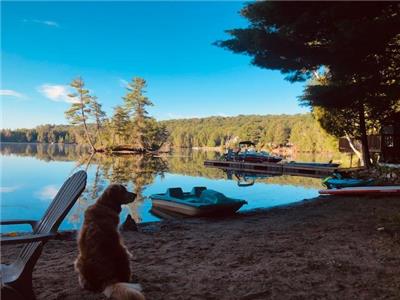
270 131
301 131
44 134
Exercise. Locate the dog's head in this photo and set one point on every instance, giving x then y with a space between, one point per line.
115 195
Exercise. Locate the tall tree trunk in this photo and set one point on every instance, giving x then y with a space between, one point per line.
98 127
113 137
85 127
88 136
353 147
364 139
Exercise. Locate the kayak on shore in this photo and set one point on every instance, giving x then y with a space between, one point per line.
336 181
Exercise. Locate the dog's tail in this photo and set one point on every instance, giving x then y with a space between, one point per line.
124 291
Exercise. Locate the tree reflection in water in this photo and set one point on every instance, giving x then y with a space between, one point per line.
136 172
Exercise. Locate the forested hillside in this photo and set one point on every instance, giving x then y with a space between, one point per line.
44 134
269 131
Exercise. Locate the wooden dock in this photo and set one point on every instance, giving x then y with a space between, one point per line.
273 168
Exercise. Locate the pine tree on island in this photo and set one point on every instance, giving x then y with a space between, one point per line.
79 111
135 103
130 129
119 124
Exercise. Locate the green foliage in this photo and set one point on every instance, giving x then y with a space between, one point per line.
41 134
156 134
97 113
80 111
299 39
130 126
340 122
266 131
308 136
135 103
119 125
300 131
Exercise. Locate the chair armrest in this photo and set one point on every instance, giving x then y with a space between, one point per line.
15 222
27 238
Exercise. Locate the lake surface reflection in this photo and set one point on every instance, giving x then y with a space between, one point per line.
32 174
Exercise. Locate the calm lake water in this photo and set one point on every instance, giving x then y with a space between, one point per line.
32 174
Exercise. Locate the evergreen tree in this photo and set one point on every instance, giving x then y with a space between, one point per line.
157 134
120 123
135 104
79 111
98 114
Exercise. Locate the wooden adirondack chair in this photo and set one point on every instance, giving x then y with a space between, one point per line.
16 278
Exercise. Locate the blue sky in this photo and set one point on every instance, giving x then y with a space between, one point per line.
170 44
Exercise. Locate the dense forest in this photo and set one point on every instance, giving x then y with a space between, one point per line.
300 131
43 134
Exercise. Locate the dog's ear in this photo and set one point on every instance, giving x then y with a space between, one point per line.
117 193
111 192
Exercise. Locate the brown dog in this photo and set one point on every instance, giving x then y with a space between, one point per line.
103 260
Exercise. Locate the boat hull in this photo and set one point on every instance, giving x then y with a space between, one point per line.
196 211
306 164
369 190
260 159
254 159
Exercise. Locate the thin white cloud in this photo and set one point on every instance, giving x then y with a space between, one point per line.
56 92
123 83
177 116
50 23
43 22
47 193
8 189
11 93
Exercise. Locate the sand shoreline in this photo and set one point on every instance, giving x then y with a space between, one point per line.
329 247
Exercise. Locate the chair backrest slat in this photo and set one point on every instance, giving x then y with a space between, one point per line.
62 203
56 212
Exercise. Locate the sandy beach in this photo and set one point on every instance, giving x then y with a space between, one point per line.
327 248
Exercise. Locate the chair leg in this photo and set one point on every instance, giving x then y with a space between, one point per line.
24 283
9 293
24 287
